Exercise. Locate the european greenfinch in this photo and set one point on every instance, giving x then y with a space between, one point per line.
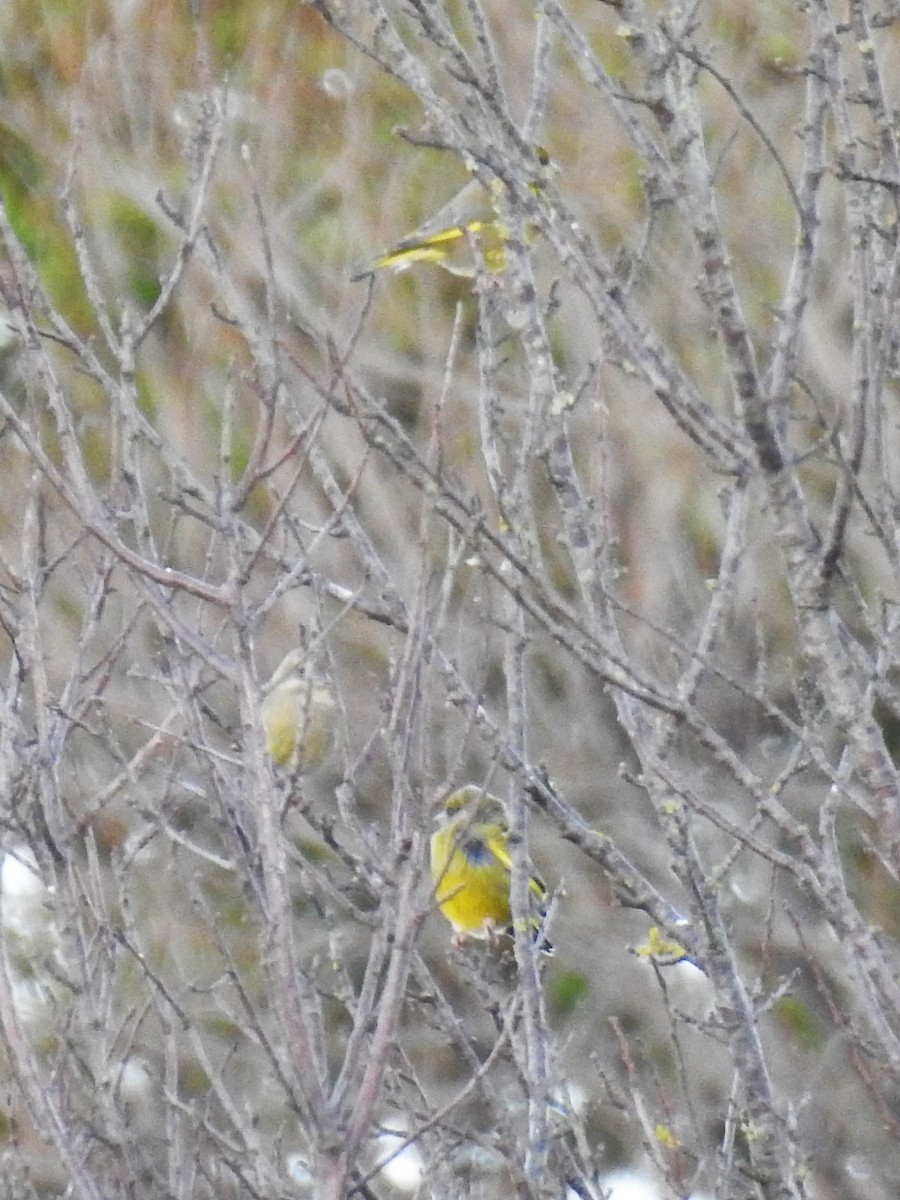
298 715
470 867
446 239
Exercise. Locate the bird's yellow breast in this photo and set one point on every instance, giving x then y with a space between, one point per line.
471 884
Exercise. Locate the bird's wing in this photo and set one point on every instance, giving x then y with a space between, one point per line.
469 206
497 842
495 836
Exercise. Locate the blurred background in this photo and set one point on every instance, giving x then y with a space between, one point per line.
193 382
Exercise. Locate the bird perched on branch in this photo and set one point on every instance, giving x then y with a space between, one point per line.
471 221
298 714
471 868
448 238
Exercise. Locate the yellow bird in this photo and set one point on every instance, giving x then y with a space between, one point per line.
471 217
298 715
470 867
447 238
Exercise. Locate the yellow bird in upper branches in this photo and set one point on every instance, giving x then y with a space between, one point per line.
298 713
471 867
447 239
470 221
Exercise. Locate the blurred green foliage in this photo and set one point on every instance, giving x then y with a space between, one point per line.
798 1019
567 991
142 243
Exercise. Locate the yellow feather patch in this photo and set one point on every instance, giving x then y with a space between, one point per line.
471 867
298 716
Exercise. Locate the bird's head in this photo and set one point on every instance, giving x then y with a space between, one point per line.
469 804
